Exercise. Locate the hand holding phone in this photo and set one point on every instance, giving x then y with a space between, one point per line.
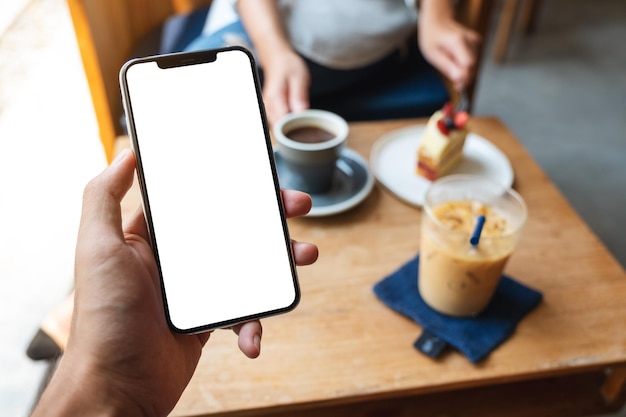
199 131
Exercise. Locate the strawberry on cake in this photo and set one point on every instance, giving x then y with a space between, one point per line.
441 147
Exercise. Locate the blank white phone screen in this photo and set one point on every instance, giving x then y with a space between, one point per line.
222 246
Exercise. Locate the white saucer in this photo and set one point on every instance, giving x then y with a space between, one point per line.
393 160
352 183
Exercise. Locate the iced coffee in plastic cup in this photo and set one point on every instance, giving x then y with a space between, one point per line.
470 228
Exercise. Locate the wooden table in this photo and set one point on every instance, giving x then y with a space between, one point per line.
342 352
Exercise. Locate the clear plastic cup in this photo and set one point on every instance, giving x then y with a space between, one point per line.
456 277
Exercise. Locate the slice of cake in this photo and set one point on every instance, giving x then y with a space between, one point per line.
441 147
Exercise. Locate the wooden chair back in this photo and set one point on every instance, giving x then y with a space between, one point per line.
107 32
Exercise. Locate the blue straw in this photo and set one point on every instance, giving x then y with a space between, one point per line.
480 222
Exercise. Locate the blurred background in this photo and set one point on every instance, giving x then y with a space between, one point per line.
49 149
560 89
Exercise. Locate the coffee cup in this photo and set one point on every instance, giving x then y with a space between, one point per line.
462 256
309 144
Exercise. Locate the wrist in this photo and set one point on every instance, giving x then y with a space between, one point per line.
76 390
436 9
272 48
264 25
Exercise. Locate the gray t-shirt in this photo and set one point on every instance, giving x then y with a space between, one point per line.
347 34
341 34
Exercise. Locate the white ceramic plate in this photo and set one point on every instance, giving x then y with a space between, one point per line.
393 160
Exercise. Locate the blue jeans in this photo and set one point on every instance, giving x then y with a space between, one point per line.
324 80
401 85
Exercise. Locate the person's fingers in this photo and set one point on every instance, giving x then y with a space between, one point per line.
277 110
249 339
298 93
275 100
304 253
461 43
296 203
101 215
446 64
462 56
462 50
473 39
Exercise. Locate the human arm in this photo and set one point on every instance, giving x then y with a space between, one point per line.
286 78
121 357
446 44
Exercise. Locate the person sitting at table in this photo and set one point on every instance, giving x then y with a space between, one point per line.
308 49
121 357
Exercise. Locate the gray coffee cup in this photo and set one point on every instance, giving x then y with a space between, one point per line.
309 143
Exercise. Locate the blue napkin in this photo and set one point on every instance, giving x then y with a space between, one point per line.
476 336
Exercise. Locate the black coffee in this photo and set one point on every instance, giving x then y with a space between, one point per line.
309 134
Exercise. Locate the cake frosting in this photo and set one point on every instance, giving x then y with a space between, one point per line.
441 145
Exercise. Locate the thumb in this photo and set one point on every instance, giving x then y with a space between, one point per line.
101 215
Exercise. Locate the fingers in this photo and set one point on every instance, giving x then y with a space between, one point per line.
249 340
298 94
304 253
275 106
451 48
286 86
296 203
444 62
463 46
462 52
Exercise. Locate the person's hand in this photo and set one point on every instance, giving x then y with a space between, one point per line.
286 78
286 81
121 356
450 47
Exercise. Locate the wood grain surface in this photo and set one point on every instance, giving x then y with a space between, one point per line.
343 346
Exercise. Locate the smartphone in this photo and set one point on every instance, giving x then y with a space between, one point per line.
209 187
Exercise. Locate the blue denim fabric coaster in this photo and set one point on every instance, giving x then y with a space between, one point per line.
475 337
